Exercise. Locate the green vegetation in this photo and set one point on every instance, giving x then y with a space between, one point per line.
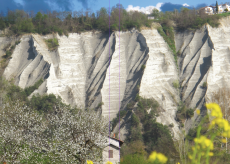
131 104
135 159
146 134
9 50
176 84
168 34
14 92
52 44
143 67
30 89
204 85
20 22
43 104
224 14
186 19
217 7
183 112
120 115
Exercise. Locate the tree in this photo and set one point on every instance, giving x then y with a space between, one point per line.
20 132
155 13
38 16
217 9
77 135
2 24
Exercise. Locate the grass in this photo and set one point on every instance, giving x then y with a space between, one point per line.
168 34
52 44
224 14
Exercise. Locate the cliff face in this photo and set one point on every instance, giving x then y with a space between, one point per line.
204 58
88 69
91 68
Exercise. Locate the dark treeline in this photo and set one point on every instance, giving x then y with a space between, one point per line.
20 22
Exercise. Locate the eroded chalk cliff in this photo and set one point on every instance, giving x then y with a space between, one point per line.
204 57
90 68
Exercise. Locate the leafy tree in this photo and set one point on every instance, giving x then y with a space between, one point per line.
38 16
155 13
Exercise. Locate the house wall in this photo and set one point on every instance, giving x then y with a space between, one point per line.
116 155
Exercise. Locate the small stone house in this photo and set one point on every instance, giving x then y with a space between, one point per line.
112 151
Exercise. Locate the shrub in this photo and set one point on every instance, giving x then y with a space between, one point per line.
134 120
171 125
100 105
204 85
137 98
120 115
52 44
8 54
130 105
143 67
176 84
31 89
189 113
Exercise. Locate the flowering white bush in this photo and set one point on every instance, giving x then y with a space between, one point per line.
21 132
64 136
77 135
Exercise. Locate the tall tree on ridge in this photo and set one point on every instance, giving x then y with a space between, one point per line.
217 9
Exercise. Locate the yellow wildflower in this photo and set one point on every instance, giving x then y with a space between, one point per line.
89 162
109 162
153 156
210 153
224 140
204 142
198 111
215 110
161 157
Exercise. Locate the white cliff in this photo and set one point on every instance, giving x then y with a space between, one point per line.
91 68
204 58
159 75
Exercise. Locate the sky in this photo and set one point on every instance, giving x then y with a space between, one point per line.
75 5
